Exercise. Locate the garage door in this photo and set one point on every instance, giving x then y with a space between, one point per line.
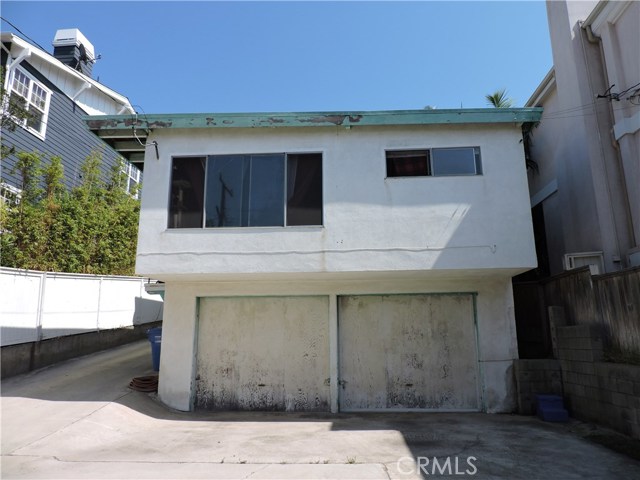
263 353
408 352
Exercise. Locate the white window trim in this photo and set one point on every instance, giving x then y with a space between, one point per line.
477 172
45 116
133 176
10 194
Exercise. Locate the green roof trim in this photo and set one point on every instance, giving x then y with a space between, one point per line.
315 119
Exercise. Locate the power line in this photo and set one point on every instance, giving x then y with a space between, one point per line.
24 34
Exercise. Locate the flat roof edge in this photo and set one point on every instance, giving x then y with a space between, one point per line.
315 119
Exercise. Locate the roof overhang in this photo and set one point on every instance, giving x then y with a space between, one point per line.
127 134
543 90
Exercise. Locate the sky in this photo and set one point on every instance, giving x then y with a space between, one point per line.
214 56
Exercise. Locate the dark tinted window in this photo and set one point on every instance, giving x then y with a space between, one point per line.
408 163
187 192
245 190
304 189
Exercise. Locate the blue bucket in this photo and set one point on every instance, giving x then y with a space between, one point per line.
155 337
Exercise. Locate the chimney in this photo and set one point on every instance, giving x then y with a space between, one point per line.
72 48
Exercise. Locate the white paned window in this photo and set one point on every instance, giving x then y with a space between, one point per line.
132 178
34 98
9 194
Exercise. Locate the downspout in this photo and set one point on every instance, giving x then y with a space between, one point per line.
593 39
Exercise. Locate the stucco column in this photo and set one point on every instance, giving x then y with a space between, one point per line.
497 345
178 352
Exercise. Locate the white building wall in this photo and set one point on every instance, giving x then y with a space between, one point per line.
494 316
588 180
370 223
618 27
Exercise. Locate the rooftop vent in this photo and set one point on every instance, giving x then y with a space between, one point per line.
72 48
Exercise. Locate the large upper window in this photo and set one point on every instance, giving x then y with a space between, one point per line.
260 190
28 94
434 162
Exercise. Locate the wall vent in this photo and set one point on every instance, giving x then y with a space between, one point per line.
595 261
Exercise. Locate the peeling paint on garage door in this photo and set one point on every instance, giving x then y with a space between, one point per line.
263 353
408 352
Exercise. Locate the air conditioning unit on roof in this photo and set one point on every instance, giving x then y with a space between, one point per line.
595 261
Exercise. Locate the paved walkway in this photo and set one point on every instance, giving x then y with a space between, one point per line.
79 420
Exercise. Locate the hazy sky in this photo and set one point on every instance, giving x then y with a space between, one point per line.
180 57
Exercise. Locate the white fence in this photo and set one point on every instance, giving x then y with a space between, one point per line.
39 305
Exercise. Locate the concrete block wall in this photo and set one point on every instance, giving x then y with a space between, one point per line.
606 393
536 376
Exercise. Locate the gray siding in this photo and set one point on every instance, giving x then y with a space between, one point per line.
66 136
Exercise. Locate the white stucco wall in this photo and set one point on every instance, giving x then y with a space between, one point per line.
589 177
618 27
494 317
379 236
370 223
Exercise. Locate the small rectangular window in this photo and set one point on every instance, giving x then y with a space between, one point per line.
408 163
187 192
434 162
455 161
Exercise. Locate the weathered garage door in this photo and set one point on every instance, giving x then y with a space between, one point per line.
263 353
408 352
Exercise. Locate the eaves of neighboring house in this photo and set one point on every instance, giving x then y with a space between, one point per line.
58 91
335 261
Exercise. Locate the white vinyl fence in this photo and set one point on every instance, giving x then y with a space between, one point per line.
39 305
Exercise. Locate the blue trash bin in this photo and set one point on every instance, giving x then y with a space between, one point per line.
155 337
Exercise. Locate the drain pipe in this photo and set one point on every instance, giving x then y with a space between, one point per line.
594 39
591 37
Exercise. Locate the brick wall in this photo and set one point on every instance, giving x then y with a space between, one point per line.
606 393
536 377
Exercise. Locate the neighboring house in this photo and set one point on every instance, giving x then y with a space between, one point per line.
58 91
336 261
585 195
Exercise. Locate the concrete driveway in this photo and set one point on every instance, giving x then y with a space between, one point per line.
80 420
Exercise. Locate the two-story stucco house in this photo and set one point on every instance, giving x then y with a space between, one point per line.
351 261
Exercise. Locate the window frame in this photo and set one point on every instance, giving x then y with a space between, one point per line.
285 155
132 177
477 164
10 195
41 134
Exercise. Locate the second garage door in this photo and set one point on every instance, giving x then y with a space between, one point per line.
408 352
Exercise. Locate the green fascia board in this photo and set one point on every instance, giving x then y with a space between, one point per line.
315 119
